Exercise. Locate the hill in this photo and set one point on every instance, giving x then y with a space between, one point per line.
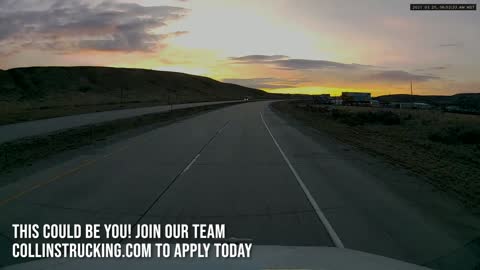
465 101
60 86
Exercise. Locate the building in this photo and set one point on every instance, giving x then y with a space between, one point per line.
336 100
410 105
422 106
374 103
321 99
356 98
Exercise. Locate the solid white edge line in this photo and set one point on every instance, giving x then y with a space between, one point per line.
333 235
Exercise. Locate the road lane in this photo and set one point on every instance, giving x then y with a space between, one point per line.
241 180
238 177
117 188
38 127
268 206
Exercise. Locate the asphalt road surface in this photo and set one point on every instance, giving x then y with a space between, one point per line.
265 178
38 127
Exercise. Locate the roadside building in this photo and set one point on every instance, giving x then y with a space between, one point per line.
336 100
422 106
411 105
374 103
321 99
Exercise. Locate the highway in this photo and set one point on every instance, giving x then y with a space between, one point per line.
268 179
39 127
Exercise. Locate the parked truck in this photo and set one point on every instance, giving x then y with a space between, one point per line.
356 98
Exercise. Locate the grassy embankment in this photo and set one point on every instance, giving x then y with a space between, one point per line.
444 147
45 92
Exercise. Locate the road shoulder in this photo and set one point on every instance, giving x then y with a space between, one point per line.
428 206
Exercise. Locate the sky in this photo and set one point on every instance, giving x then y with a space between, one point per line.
282 46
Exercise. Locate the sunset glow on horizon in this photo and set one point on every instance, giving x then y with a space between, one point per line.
281 46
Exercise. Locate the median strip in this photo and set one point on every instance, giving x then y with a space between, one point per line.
24 152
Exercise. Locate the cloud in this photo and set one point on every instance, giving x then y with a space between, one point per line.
311 64
265 83
285 62
341 73
257 58
438 68
399 76
451 45
75 25
432 68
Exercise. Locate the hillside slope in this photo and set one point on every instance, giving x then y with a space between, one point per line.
60 86
44 92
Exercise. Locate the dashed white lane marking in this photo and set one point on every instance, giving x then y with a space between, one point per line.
179 175
198 155
190 164
331 232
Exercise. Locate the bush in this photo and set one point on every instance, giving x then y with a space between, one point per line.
382 117
360 118
84 88
457 135
470 136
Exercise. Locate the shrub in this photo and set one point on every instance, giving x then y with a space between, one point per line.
469 135
84 88
382 117
457 135
360 118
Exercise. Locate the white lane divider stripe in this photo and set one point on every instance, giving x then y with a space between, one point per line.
198 155
178 176
190 164
331 232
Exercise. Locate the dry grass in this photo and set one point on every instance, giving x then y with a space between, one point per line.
12 114
444 147
44 92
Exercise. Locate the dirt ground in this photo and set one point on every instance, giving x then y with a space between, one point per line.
441 147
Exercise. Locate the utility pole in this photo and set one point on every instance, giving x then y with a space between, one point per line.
168 99
411 91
